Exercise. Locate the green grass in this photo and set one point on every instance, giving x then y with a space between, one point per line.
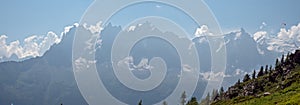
287 96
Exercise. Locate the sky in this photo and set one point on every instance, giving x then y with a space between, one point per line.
250 14
20 19
23 22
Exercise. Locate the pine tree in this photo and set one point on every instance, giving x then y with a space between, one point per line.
246 78
208 99
277 62
254 74
282 59
214 94
266 69
270 77
270 69
221 92
261 72
165 103
287 57
140 103
238 82
193 101
183 98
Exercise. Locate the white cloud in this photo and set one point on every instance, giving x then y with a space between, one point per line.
83 64
202 31
32 46
263 24
94 29
143 64
191 46
292 33
131 28
258 35
260 51
237 71
202 40
187 68
285 40
158 6
94 36
211 76
240 72
238 35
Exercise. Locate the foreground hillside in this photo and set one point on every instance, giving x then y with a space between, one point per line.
280 86
288 96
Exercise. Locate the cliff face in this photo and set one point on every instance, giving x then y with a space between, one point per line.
268 82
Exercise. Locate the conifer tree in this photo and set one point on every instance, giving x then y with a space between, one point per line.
270 69
165 103
246 78
266 69
183 98
254 74
282 59
221 92
206 101
140 103
193 101
277 63
261 72
214 94
238 82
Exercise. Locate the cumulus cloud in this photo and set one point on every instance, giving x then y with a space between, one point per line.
203 30
292 33
285 40
94 29
258 35
32 46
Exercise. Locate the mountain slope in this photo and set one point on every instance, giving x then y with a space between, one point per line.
277 86
46 80
49 79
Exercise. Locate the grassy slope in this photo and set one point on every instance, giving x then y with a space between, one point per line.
287 96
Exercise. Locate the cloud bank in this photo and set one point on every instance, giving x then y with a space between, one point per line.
32 46
285 40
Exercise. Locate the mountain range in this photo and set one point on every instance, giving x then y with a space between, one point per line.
49 79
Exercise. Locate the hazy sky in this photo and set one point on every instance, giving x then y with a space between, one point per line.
250 14
20 19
